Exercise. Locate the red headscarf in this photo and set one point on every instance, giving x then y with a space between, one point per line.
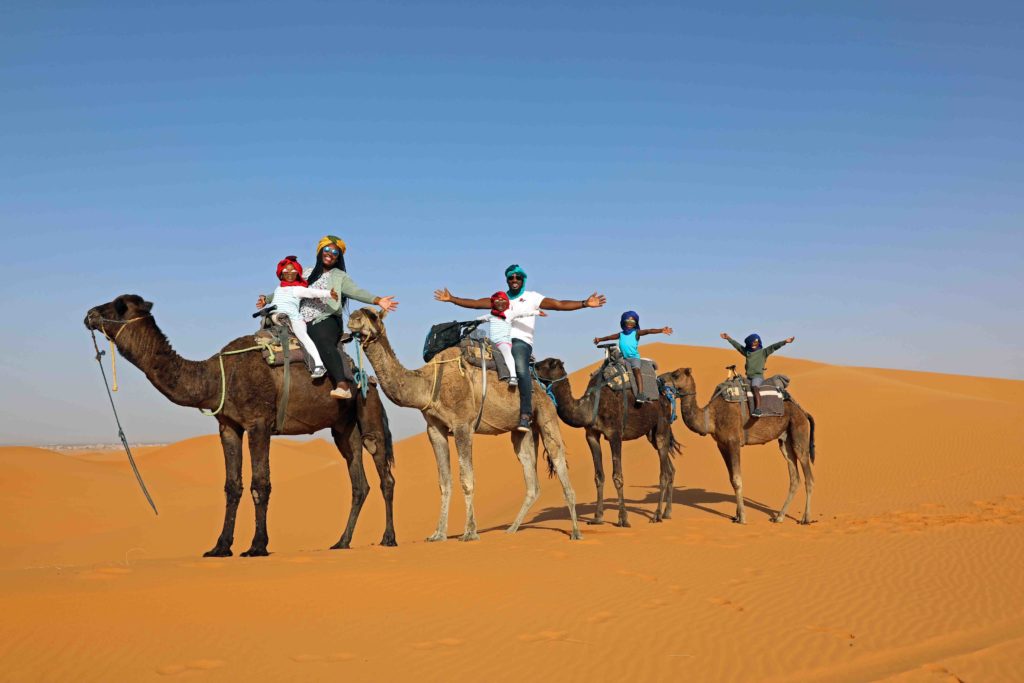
497 296
294 260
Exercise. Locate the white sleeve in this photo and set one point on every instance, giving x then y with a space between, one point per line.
307 293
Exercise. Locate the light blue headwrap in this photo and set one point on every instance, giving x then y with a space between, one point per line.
517 270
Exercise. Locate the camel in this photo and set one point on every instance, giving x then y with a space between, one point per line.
447 392
650 419
250 405
723 421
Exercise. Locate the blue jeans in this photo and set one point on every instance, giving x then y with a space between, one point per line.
521 352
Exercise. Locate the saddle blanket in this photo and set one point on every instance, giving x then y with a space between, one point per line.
620 377
471 351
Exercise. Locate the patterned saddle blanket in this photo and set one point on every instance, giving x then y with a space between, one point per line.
475 349
773 394
269 339
619 377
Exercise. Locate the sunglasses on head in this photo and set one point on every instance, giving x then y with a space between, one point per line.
332 250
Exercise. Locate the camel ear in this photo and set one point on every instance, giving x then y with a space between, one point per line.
686 371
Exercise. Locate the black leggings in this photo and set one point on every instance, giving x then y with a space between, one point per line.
326 334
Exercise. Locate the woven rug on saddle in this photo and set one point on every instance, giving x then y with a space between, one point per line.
773 394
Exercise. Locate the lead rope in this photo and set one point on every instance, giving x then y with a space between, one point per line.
120 430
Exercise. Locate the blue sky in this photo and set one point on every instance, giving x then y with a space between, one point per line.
849 173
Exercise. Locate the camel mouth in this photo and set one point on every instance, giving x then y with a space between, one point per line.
92 319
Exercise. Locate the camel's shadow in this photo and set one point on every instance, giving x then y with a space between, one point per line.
695 498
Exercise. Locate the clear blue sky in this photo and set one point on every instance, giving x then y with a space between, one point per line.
849 173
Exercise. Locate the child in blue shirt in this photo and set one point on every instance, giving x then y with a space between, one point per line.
629 345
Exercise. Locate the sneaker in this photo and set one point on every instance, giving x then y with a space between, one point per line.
513 382
318 372
341 392
524 423
756 412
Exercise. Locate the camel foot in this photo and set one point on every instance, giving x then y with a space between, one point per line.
340 545
738 520
218 551
575 535
656 519
596 520
623 523
777 518
437 537
255 552
804 521
470 536
389 540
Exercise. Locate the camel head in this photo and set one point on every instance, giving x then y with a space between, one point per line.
113 316
550 370
368 323
680 379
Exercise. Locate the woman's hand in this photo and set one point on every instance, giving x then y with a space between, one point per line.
442 294
334 295
666 330
261 301
724 335
791 340
387 303
595 300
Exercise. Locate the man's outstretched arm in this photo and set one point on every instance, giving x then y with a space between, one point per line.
595 300
445 295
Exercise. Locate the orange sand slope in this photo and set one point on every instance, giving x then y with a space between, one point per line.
911 571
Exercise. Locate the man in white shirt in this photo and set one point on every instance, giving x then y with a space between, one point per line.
525 305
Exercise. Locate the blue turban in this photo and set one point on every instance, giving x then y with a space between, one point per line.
749 341
625 316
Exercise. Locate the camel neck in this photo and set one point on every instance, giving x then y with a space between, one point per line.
406 388
185 382
693 415
575 412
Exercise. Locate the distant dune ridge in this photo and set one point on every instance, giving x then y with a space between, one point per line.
911 571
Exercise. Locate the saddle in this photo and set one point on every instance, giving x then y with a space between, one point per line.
271 340
475 349
618 376
773 394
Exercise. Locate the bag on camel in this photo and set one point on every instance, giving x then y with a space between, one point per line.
446 335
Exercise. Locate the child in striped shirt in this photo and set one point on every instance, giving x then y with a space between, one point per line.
500 333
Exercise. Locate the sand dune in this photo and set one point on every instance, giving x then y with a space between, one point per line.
910 573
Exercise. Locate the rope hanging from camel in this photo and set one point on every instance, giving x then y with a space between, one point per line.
117 419
113 348
223 379
436 383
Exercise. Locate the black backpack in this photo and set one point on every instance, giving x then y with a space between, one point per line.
446 335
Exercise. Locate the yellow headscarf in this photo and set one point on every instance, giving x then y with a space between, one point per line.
330 239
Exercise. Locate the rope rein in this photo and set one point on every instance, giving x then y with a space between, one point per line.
113 348
117 419
435 383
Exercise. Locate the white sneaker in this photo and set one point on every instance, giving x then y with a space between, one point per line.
340 392
318 372
513 382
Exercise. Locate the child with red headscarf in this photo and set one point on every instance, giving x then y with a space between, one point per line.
289 293
500 333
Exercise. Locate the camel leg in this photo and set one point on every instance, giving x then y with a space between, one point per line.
556 449
666 476
349 441
259 456
594 441
800 443
731 454
464 446
794 477
387 489
438 436
615 440
525 446
231 442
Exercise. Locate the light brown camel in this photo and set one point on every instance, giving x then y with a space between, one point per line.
650 419
250 405
723 421
447 391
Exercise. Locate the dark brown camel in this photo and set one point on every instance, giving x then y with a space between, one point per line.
250 405
724 422
650 419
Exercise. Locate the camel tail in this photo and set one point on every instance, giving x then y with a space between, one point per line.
674 447
551 463
810 418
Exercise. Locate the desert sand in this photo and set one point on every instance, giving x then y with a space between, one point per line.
911 571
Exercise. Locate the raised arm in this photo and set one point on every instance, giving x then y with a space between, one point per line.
307 293
610 337
654 330
735 344
595 300
778 345
445 295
